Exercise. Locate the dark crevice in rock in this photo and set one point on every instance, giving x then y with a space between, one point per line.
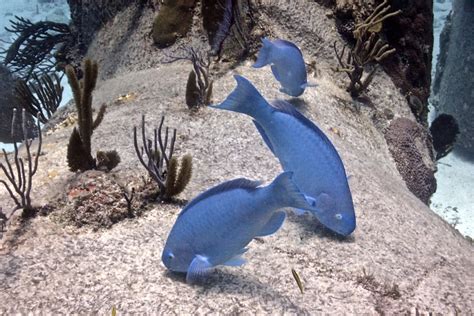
411 34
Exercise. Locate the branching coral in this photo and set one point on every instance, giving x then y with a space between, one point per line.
79 154
199 85
40 96
31 52
369 48
161 165
20 173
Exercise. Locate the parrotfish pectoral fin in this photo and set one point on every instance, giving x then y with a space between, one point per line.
235 261
273 224
264 135
198 269
308 85
276 73
244 99
284 90
242 251
310 200
263 58
325 202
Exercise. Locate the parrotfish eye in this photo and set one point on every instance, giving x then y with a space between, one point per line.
338 216
168 255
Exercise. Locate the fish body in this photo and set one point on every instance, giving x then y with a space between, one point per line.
215 227
287 65
302 148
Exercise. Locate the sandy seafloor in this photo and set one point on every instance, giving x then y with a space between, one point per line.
455 176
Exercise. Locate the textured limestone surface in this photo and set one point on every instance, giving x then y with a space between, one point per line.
401 258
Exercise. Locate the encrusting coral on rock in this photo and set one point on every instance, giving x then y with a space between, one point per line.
408 142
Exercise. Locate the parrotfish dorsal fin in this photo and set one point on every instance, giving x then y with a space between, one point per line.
264 135
264 53
288 108
240 183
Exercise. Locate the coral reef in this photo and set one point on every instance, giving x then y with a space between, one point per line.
408 142
95 199
173 20
79 154
162 166
20 173
369 48
410 33
41 96
199 84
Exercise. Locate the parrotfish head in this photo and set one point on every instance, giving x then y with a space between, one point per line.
336 214
340 222
176 260
264 54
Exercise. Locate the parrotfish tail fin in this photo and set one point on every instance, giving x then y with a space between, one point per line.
244 99
289 193
198 269
263 58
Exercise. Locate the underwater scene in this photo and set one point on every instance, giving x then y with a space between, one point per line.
190 157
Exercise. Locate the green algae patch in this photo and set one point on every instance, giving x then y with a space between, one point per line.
173 20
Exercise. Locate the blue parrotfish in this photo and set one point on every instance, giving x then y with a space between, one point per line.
287 65
215 227
301 147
